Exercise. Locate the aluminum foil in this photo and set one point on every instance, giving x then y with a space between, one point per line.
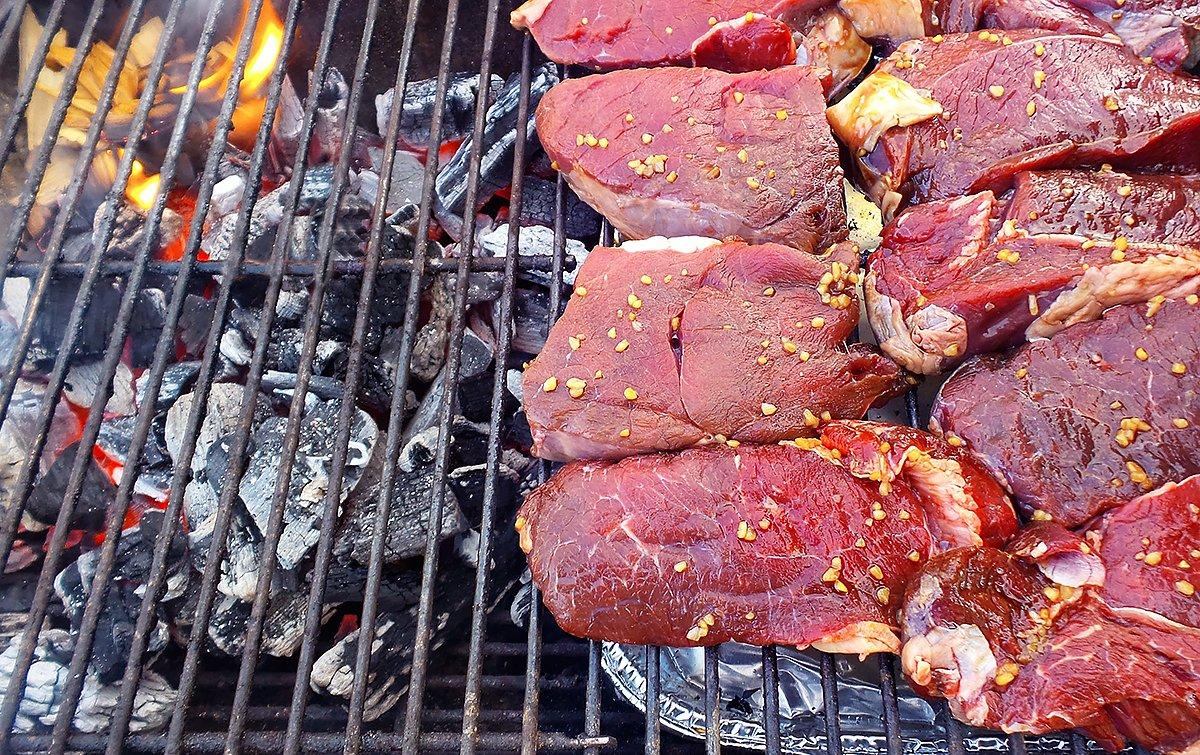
801 707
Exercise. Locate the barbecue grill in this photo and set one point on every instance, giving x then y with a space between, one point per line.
492 686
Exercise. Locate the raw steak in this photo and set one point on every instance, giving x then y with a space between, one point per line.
802 544
667 343
966 276
1081 423
942 119
693 151
1100 633
1163 32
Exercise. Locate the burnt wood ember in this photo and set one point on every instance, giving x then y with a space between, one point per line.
74 585
283 627
154 477
458 117
942 119
1164 32
83 382
959 277
47 681
1095 631
391 652
680 151
1082 423
129 231
501 131
666 343
56 310
696 548
310 474
17 437
46 497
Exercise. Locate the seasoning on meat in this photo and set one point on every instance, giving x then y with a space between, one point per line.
1099 631
966 276
726 341
801 544
693 124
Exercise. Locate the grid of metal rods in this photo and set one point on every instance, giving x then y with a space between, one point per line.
407 735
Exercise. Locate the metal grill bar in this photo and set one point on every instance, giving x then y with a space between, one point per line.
41 157
163 350
240 444
292 268
770 674
11 24
712 701
471 701
16 686
296 410
156 581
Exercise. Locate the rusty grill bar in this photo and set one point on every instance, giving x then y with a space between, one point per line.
249 725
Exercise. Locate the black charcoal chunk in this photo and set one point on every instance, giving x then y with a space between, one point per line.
458 115
538 207
500 134
116 435
283 624
46 497
310 474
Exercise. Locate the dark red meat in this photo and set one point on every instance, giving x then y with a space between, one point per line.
681 151
780 544
967 276
747 43
1164 32
942 119
1080 423
711 341
610 34
1103 636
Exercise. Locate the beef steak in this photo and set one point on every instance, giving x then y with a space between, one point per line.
801 544
1081 423
1098 632
693 151
666 343
959 277
947 116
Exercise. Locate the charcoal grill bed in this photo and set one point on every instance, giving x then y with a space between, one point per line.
504 688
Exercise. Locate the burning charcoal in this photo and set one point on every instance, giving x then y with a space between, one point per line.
333 98
399 588
177 379
19 429
129 231
310 474
283 625
49 330
289 123
203 492
531 312
538 207
83 382
429 351
408 179
391 652
149 316
113 441
478 348
124 598
412 493
264 224
376 384
286 345
46 498
315 189
458 117
227 195
500 134
534 240
293 303
194 323
47 680
468 482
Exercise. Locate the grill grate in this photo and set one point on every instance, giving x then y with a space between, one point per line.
494 653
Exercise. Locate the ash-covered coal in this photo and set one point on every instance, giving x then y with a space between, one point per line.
47 680
458 117
46 496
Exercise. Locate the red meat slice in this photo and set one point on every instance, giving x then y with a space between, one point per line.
1104 637
747 43
966 276
611 34
784 544
669 343
942 119
678 151
1163 32
1081 423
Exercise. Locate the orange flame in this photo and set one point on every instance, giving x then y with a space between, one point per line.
265 52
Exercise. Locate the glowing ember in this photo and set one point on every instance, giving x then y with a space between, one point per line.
142 189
